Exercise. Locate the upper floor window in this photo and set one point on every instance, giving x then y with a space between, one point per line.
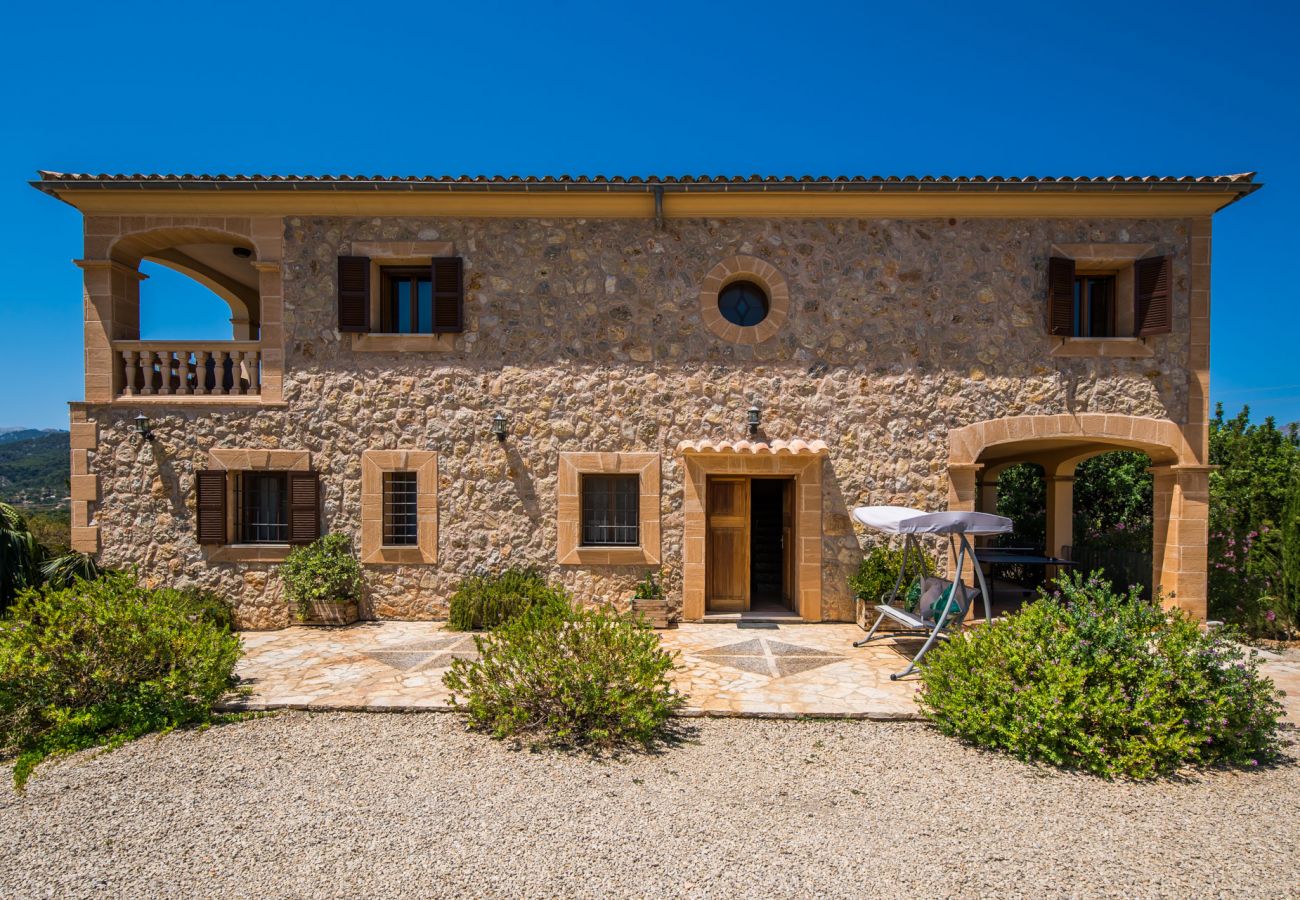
1094 305
610 510
406 300
743 303
401 299
1123 299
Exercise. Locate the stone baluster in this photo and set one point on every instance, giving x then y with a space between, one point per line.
128 373
236 372
201 380
185 369
146 372
255 372
166 362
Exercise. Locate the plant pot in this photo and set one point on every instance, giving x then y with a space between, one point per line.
657 612
328 612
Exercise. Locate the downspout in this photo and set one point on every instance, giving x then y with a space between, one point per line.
659 207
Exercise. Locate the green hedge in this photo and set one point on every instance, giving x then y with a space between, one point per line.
106 661
487 601
569 677
878 572
1102 681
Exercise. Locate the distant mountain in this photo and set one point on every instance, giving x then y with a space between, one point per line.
22 434
34 467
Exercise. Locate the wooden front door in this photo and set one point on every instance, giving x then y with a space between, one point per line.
727 557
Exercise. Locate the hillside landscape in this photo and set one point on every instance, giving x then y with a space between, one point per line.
34 468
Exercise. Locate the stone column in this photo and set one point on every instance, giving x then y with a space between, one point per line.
963 495
1060 513
111 298
268 234
1180 500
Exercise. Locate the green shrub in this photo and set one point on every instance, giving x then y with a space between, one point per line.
878 572
648 588
570 677
487 601
104 662
208 606
324 571
1106 682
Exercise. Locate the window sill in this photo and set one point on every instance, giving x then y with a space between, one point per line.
1112 348
400 556
608 556
248 553
403 343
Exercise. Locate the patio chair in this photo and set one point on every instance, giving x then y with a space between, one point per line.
942 605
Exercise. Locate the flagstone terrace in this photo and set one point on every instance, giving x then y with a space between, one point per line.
763 670
758 669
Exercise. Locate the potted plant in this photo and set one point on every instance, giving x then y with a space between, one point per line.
648 600
323 580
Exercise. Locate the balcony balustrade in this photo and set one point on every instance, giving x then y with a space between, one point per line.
187 368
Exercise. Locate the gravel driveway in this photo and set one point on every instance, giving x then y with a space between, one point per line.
355 804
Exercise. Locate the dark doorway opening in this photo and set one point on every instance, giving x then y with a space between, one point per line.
770 544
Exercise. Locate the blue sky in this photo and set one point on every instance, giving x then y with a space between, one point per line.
551 87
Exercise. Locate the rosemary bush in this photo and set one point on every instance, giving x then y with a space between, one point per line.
568 677
487 601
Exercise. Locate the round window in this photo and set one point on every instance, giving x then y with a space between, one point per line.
743 303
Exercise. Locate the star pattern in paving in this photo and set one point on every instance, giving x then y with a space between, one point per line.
764 656
435 653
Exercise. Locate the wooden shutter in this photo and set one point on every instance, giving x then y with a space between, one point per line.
304 507
1153 298
448 294
1060 296
354 293
210 506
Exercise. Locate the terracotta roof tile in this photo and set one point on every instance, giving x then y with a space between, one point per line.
795 447
50 181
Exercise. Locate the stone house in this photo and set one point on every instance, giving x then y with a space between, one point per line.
600 377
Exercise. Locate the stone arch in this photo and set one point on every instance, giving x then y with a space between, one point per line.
1160 439
201 253
1059 443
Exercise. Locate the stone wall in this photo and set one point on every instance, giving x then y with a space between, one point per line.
587 334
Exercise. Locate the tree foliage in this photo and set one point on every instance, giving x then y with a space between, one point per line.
1249 492
20 555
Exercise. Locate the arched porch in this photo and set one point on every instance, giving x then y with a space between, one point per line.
1180 489
237 259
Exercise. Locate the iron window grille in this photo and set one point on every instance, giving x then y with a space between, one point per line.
262 508
611 511
401 510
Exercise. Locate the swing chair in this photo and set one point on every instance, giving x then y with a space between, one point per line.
932 606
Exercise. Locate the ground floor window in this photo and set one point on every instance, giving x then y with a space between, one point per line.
610 511
262 508
401 513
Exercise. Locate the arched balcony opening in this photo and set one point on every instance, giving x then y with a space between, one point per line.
186 314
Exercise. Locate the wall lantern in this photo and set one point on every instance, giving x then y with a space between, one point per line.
754 418
499 426
142 427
